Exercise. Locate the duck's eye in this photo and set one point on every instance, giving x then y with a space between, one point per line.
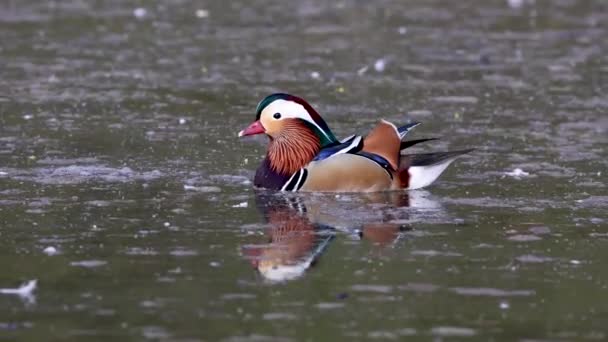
277 115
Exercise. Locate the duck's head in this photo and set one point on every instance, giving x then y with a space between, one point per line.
285 116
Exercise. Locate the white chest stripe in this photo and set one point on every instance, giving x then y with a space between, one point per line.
295 182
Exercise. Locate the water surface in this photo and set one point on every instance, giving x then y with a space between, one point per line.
125 193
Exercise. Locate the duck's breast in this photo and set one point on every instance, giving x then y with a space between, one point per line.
266 177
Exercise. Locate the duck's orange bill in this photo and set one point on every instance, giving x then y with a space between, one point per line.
255 128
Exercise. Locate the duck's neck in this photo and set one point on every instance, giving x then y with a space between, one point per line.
293 149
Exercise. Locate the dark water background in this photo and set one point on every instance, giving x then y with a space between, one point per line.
118 149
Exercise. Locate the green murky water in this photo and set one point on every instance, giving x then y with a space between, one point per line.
125 193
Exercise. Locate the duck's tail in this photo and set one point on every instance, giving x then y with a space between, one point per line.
419 170
415 171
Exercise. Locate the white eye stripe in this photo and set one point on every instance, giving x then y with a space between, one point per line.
290 109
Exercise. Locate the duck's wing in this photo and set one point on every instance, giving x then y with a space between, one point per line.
385 141
352 144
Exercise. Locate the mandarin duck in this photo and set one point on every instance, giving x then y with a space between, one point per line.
304 155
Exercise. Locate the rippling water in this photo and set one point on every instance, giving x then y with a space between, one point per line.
125 193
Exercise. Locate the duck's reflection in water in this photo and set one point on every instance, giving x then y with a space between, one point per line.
300 227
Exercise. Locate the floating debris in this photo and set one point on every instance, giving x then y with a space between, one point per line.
140 12
231 179
140 251
181 252
342 295
372 288
238 296
453 331
431 253
215 264
202 188
329 305
88 263
24 291
202 13
531 258
540 230
380 65
182 121
516 3
155 333
419 287
50 250
315 75
362 71
402 30
420 112
177 270
456 99
517 173
241 205
490 292
524 238
273 316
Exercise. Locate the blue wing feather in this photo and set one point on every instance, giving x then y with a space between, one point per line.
352 145
378 160
403 130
